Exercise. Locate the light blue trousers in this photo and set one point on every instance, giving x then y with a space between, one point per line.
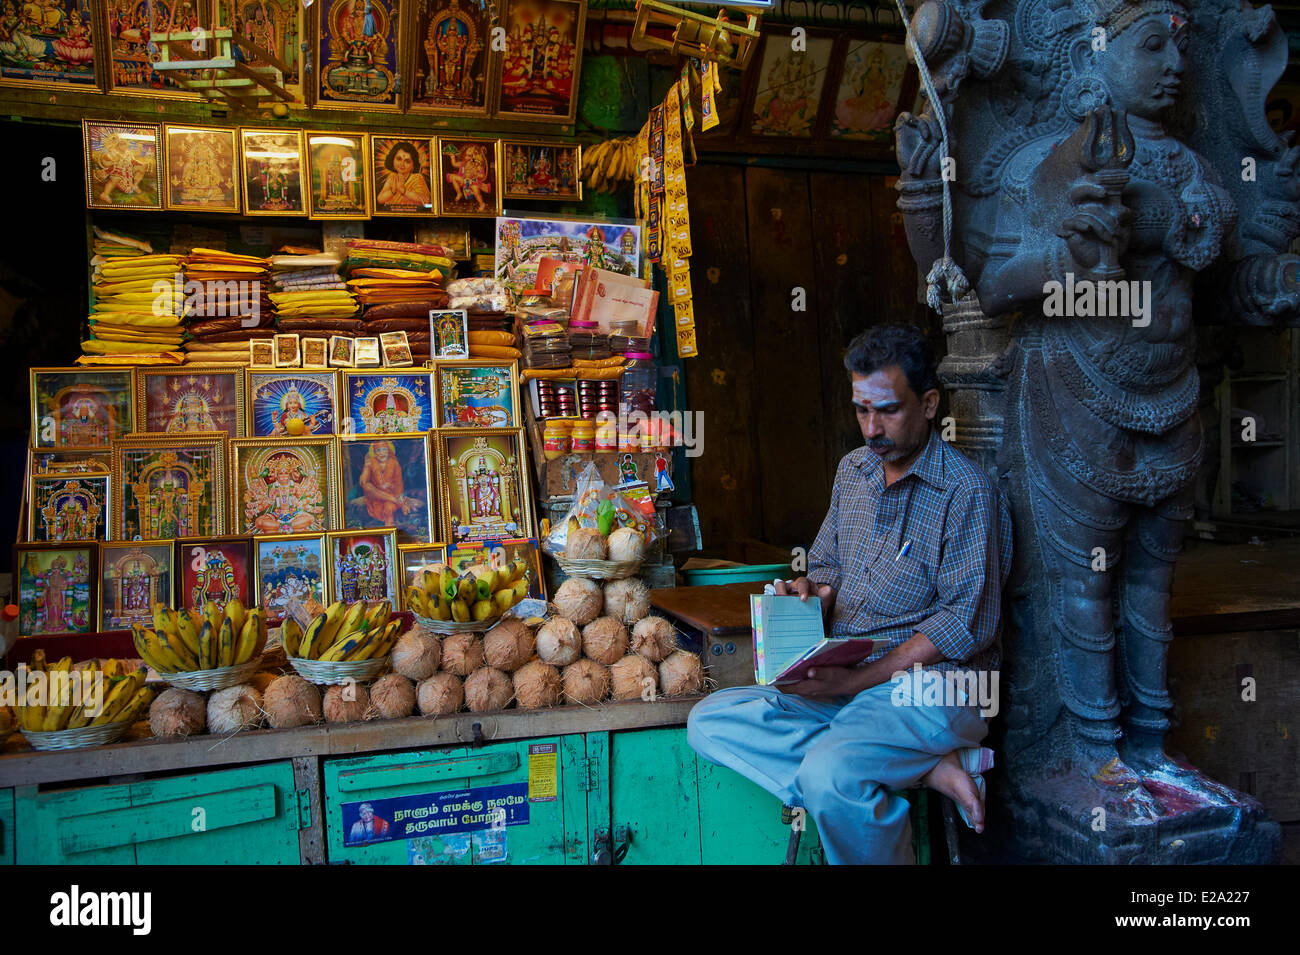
837 760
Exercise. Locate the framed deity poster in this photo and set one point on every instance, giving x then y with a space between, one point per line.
522 242
272 27
358 54
291 404
401 180
64 507
448 333
469 176
47 45
56 586
391 402
414 558
477 394
537 77
201 169
386 483
194 398
134 575
483 485
337 167
867 93
123 165
272 177
169 486
787 86
452 50
219 569
363 565
541 170
81 407
283 486
291 578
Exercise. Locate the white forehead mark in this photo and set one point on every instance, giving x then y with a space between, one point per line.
869 391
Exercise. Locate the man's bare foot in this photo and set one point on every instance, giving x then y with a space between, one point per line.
948 777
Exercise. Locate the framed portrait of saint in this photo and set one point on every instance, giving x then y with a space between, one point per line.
452 53
201 169
182 400
81 407
47 45
359 60
338 165
219 569
272 172
134 575
169 486
283 487
401 180
537 76
123 165
55 586
541 170
469 176
287 404
483 485
386 483
870 83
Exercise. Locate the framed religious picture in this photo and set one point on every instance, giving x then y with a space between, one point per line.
537 77
340 351
541 170
477 394
396 349
291 577
283 486
469 176
314 353
390 402
413 558
401 178
68 507
359 58
337 167
452 52
787 85
365 352
194 398
169 486
201 169
271 26
219 569
272 177
81 407
869 85
522 242
134 575
132 28
387 482
55 588
261 353
47 45
123 165
284 404
449 333
483 485
501 554
288 351
363 565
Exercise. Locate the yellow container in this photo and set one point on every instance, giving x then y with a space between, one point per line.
584 437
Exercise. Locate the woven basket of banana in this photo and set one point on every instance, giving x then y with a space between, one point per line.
76 739
346 642
212 650
92 703
445 602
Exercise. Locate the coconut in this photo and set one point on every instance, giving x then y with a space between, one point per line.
585 543
627 600
291 701
538 684
604 640
626 544
177 712
629 677
487 688
579 600
654 638
586 681
508 645
462 653
260 681
392 696
681 672
346 703
235 708
416 655
440 694
559 641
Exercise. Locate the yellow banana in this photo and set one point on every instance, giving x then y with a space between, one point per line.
188 633
212 613
226 643
459 611
346 646
174 647
209 640
148 653
313 638
57 713
290 634
236 614
138 704
121 693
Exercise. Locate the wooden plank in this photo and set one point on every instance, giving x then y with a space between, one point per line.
1256 583
311 840
895 299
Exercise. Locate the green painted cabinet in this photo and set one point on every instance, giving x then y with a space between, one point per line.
236 816
6 827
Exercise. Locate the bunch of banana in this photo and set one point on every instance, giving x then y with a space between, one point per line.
477 594
183 640
344 632
123 699
607 165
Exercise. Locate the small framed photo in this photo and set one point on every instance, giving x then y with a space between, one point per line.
469 176
366 353
340 351
169 486
288 351
541 170
283 404
291 577
123 165
396 349
56 587
387 482
134 576
219 569
315 353
284 486
449 333
387 403
272 172
64 507
414 558
337 165
201 169
477 394
261 353
401 180
181 400
363 565
81 407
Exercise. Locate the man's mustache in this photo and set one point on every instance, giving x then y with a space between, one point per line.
879 443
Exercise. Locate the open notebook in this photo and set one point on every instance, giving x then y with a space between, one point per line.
789 638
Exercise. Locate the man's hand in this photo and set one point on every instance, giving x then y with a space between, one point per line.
803 588
828 681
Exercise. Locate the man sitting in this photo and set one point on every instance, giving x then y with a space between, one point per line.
913 553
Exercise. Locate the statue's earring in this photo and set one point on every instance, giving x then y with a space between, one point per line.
1083 94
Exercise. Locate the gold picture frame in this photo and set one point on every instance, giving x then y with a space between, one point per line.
60 411
456 453
72 49
262 190
413 557
155 570
369 39
191 385
452 419
513 96
361 586
207 164
89 493
276 602
405 454
274 461
453 153
329 195
179 511
528 155
467 90
396 161
122 158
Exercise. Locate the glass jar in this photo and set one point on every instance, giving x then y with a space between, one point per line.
584 437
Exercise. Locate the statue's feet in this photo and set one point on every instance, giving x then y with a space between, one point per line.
1177 786
1099 792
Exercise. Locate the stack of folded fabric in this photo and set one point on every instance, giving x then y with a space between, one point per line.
135 317
398 283
227 305
310 297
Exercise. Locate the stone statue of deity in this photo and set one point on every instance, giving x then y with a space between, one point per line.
1088 197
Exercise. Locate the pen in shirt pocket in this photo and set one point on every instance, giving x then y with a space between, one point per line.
907 545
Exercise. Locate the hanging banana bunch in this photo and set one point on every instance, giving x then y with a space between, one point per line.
610 165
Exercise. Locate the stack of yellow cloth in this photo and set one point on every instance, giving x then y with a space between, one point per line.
137 308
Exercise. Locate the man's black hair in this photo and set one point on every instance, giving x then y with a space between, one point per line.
901 345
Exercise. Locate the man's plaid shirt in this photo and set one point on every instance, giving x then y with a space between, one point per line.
948 583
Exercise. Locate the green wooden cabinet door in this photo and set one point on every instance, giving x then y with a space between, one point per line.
741 823
6 827
437 807
653 794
